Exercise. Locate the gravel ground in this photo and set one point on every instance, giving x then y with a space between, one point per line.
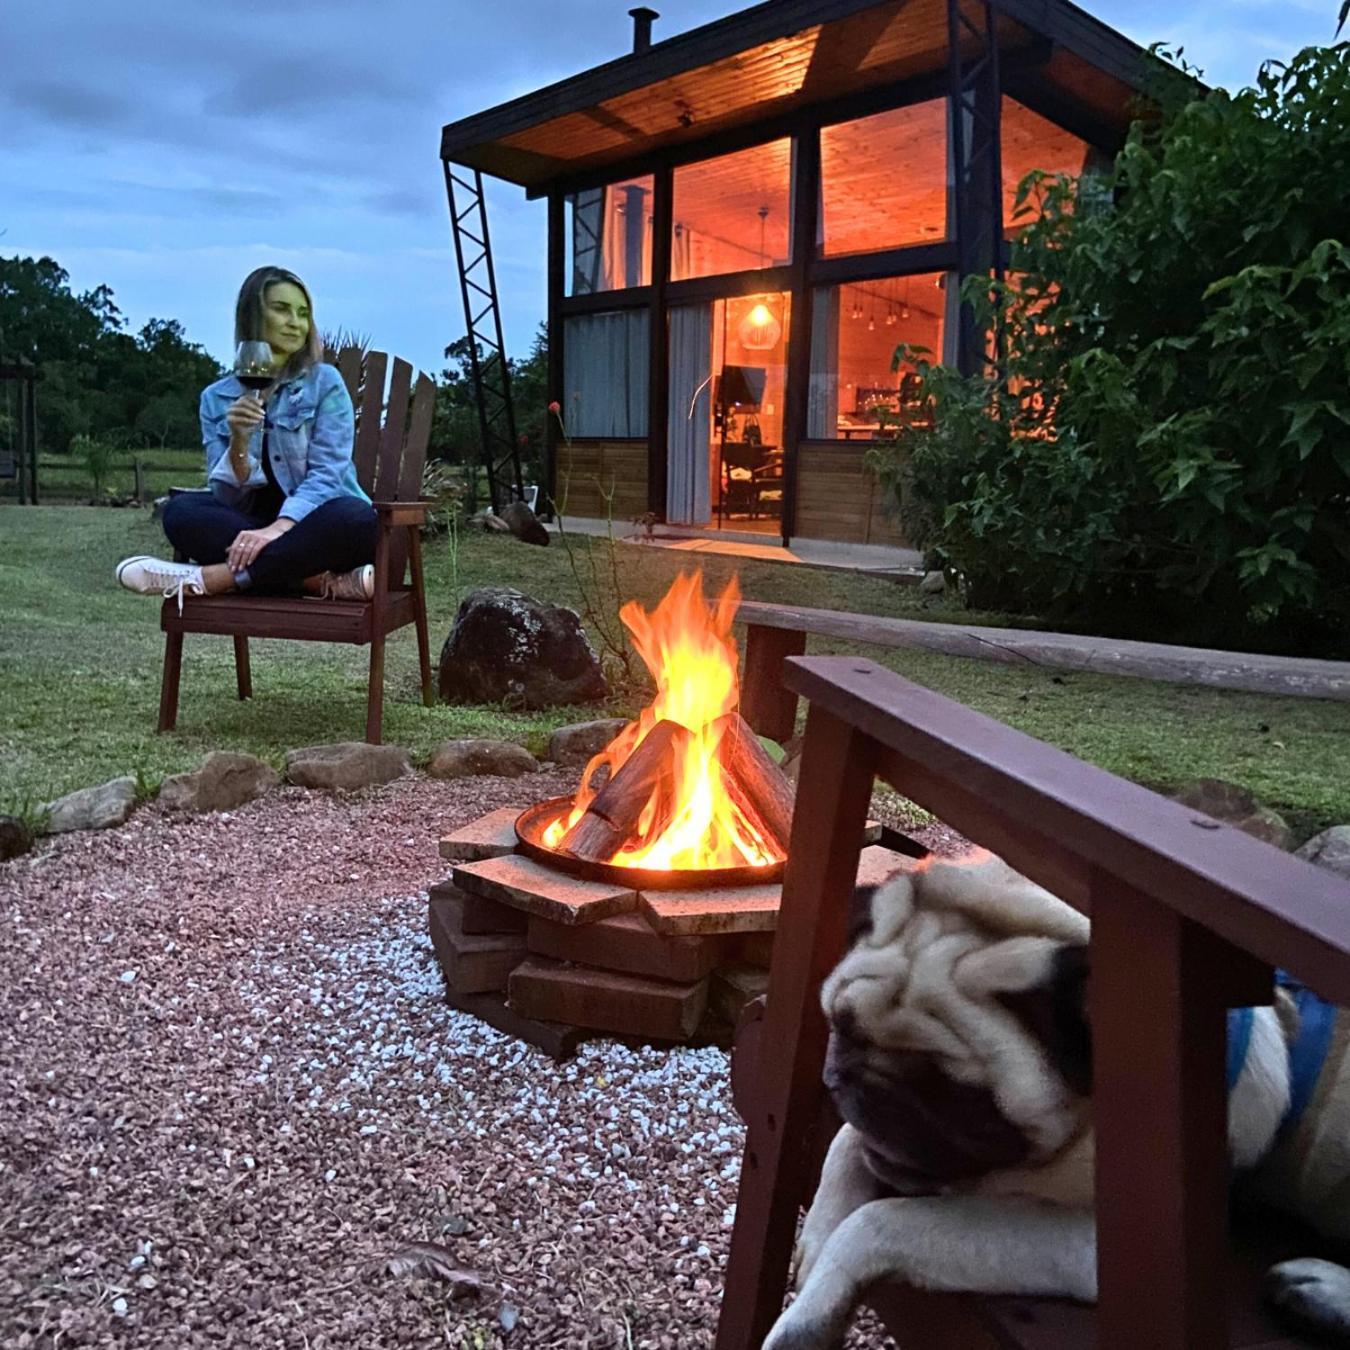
233 1095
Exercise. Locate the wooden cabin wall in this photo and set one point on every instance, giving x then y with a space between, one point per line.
589 469
839 497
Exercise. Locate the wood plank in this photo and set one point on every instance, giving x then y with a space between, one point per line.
1291 914
489 836
391 435
731 909
419 435
471 963
784 1104
525 884
368 421
556 1039
606 1001
628 944
1252 672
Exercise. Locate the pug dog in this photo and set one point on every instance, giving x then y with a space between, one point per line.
960 1061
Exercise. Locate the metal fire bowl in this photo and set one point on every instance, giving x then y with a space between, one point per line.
530 827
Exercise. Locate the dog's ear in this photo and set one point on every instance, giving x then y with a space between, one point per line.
860 920
1054 1010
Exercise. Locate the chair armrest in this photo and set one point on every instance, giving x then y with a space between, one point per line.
403 513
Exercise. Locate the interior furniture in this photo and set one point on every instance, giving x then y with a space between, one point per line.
1189 918
748 476
389 454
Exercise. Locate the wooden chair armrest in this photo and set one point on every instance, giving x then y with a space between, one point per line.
403 513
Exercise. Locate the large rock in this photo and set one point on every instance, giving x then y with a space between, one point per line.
347 765
1330 849
576 744
15 837
92 808
524 524
225 780
508 648
1234 805
474 758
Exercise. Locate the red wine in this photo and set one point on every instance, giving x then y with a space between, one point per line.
254 381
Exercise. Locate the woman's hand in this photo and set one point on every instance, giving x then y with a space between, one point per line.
244 415
249 543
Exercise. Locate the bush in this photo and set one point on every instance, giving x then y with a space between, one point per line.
98 457
1166 449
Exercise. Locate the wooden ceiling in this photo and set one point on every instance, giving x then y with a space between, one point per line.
777 57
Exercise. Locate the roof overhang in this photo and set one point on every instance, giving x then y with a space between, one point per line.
776 59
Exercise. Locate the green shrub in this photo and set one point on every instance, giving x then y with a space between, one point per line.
1166 447
99 457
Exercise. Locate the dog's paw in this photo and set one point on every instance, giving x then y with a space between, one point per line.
1312 1297
801 1333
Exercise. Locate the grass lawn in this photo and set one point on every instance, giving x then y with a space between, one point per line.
80 662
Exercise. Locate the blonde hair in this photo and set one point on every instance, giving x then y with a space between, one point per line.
249 318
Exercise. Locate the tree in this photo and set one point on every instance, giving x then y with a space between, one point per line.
1166 449
455 432
96 377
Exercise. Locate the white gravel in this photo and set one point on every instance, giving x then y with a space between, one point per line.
233 1093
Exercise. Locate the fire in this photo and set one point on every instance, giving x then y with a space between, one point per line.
688 648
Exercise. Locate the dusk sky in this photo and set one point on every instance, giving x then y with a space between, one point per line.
168 147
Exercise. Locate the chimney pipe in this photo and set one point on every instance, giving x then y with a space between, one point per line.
642 27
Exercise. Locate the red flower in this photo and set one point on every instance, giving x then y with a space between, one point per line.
555 407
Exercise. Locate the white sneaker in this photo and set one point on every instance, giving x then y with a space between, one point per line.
153 576
358 584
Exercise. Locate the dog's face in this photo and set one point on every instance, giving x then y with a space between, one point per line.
959 1044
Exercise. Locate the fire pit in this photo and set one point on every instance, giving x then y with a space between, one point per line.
686 796
645 904
532 824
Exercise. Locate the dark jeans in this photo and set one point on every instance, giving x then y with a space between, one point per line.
334 537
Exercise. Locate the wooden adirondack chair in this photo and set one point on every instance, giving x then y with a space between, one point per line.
389 460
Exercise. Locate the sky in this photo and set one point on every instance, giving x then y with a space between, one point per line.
169 147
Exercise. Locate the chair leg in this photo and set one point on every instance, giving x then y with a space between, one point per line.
375 693
168 687
420 615
243 671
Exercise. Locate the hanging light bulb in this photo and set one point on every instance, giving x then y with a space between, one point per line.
759 331
890 314
904 304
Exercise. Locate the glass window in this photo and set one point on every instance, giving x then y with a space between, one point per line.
883 180
732 213
1029 142
605 371
609 237
855 330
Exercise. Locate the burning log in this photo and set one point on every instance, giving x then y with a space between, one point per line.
612 818
756 784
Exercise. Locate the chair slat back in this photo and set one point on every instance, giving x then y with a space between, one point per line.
409 486
391 437
419 436
368 420
349 367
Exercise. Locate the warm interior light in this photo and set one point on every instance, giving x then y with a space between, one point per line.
688 647
759 330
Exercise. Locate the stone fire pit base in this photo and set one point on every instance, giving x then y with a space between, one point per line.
552 958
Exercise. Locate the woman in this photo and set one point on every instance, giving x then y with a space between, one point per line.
285 513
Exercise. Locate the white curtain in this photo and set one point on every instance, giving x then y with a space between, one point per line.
822 409
688 494
605 372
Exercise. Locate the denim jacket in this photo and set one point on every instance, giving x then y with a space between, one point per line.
310 430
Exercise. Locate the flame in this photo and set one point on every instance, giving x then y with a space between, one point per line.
688 648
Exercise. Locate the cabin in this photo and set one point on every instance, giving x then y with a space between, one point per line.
747 220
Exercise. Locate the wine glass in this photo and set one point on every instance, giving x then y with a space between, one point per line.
253 366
